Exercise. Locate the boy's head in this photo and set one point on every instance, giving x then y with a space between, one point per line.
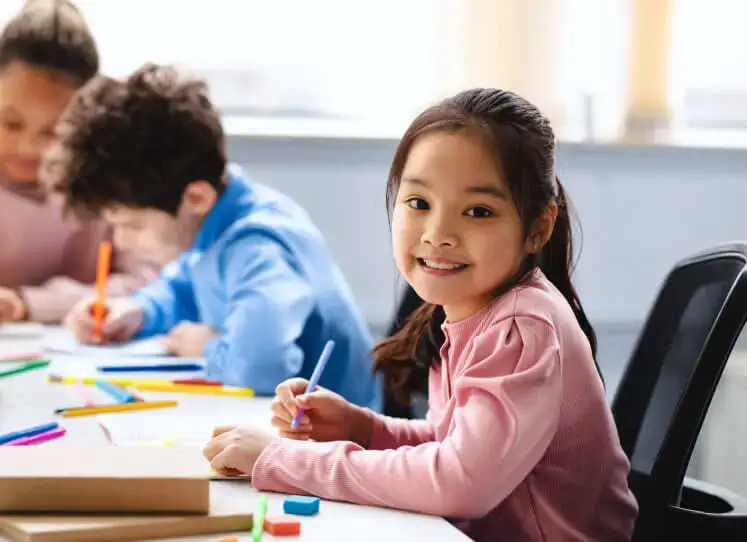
146 154
46 53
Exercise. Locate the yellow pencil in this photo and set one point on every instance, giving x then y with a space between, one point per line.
92 381
166 386
158 385
122 407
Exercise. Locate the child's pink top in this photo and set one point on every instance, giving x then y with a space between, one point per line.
519 443
52 262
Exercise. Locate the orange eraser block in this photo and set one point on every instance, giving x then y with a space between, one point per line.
229 539
282 525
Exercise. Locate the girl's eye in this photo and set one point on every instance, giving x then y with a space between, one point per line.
417 203
479 212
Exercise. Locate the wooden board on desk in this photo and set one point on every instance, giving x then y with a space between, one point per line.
103 479
227 514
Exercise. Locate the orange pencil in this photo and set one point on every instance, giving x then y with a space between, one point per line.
102 276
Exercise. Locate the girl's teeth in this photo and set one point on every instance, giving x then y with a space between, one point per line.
440 265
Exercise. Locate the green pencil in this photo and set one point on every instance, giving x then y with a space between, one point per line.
258 523
23 368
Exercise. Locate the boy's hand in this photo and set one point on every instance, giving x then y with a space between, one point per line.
122 319
12 306
188 339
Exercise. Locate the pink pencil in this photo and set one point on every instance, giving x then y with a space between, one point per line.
36 439
85 394
20 356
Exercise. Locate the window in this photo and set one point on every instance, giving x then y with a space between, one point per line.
709 79
384 60
282 58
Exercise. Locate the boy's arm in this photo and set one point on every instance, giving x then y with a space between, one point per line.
270 303
167 300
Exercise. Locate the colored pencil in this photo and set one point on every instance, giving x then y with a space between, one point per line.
30 366
159 385
37 439
31 431
102 277
161 367
121 407
258 521
315 376
198 382
22 356
120 395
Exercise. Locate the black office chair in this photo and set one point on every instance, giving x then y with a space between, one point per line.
665 393
409 304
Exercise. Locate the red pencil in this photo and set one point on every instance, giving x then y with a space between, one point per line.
198 382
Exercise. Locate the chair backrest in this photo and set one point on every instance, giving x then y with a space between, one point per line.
668 385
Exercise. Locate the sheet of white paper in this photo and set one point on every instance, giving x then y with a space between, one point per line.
21 330
169 428
65 343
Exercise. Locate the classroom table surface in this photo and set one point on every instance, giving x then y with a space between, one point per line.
27 399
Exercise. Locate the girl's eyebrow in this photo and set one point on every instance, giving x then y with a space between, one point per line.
488 190
415 180
480 189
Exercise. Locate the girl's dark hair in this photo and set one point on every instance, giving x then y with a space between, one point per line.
523 143
54 35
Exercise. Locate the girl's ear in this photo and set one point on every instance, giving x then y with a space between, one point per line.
542 229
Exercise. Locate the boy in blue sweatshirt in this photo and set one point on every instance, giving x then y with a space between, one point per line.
249 282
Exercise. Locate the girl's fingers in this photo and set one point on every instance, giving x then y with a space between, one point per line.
284 425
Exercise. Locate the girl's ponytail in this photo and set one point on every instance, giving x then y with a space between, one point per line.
556 262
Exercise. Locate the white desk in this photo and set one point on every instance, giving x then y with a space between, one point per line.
26 400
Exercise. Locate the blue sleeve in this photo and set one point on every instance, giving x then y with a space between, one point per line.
270 303
167 300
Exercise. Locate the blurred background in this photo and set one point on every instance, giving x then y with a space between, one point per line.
648 99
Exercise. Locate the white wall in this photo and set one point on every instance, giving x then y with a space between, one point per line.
641 209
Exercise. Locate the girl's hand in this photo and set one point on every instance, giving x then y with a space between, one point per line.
234 450
327 416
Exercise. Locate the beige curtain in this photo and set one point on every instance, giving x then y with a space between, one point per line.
648 106
522 45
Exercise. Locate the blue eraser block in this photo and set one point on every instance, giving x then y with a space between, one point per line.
301 506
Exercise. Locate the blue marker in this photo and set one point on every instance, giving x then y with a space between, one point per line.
315 376
120 395
160 367
28 432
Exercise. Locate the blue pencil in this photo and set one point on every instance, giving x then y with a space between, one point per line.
315 376
30 432
143 368
120 395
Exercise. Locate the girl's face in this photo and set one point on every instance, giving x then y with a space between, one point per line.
31 101
456 232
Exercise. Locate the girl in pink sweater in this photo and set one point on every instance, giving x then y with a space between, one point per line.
518 444
46 263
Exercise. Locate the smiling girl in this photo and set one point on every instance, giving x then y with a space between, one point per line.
519 443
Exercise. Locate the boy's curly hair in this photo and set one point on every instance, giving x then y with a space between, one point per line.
136 143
